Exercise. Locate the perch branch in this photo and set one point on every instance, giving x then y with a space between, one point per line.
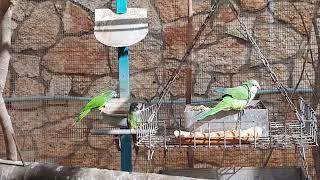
5 42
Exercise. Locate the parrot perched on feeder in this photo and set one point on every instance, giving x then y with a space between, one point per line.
133 120
97 102
236 98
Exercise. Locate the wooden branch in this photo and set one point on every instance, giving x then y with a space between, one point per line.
5 42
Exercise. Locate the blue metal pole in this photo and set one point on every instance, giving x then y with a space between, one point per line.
123 58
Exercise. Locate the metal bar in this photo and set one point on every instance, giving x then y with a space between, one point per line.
112 131
209 134
224 134
194 137
121 6
189 58
180 101
123 57
254 134
240 128
126 164
124 86
179 133
165 135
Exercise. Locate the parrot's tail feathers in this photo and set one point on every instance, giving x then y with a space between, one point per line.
82 115
219 107
202 115
219 90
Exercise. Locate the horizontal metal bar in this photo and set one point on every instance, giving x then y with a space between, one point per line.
180 101
112 131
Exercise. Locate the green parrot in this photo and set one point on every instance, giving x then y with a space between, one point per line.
97 102
133 120
236 98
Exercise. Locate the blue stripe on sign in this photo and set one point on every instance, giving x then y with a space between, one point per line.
121 6
124 71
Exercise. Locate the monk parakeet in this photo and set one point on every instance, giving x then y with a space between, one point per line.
133 120
97 102
236 98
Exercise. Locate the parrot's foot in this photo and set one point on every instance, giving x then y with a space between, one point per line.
241 113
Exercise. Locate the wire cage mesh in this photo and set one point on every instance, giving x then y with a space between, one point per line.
58 65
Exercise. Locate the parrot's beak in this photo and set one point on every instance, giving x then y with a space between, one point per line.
258 86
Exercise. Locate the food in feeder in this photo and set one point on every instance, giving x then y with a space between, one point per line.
219 137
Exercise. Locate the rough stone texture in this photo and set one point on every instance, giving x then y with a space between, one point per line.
92 5
147 82
280 70
225 14
61 113
253 5
220 57
43 22
175 40
59 85
46 76
274 41
7 86
83 55
51 144
220 80
60 4
238 79
308 76
26 65
28 87
202 81
28 118
175 36
101 85
154 21
239 32
75 19
172 10
178 88
291 12
23 9
147 57
80 84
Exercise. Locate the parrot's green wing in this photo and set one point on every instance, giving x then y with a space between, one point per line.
227 103
95 103
239 92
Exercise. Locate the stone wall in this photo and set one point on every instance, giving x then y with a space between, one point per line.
56 54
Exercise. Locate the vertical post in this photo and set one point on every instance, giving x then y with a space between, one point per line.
189 59
123 59
190 151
